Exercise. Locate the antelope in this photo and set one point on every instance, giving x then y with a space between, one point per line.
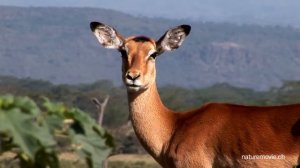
214 135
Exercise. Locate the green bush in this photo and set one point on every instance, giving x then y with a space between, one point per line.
31 133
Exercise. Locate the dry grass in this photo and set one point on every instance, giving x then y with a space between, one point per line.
132 158
72 160
132 161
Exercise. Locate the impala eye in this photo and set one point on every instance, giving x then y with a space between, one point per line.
153 55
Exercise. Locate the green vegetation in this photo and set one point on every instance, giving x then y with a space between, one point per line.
33 133
116 115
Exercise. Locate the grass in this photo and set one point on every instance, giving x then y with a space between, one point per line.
132 161
71 160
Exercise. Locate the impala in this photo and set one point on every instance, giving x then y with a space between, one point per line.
214 135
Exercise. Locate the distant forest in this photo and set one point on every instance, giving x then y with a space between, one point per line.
174 97
116 115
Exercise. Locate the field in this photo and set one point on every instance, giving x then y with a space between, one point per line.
132 161
71 160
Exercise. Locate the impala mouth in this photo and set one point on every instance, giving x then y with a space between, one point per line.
133 86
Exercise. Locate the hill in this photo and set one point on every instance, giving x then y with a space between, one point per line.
56 44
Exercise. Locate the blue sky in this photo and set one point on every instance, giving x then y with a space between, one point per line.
284 12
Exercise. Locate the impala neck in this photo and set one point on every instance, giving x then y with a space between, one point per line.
151 120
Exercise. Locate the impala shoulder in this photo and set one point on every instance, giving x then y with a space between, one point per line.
213 107
207 110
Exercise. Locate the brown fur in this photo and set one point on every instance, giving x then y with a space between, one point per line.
216 134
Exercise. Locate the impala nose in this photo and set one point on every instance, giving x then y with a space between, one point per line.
133 75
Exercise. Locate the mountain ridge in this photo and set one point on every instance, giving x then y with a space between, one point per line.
56 44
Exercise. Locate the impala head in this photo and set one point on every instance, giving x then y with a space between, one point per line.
139 52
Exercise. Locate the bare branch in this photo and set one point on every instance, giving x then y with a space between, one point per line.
100 107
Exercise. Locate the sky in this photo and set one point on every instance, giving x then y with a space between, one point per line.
274 12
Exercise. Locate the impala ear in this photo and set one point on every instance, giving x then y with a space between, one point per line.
107 36
173 38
